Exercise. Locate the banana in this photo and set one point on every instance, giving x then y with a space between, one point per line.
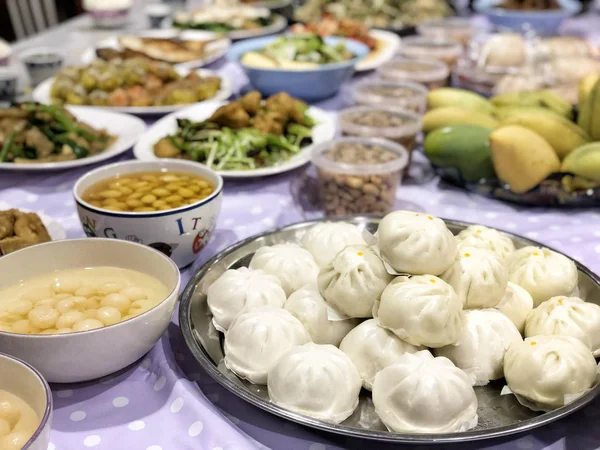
546 99
586 85
589 113
504 112
563 135
451 115
439 98
522 158
584 161
516 99
556 103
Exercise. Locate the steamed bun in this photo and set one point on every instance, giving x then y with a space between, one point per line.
310 308
421 310
479 236
416 243
293 265
544 369
372 348
239 289
423 394
258 338
353 281
542 272
566 316
478 277
480 351
516 304
325 240
318 381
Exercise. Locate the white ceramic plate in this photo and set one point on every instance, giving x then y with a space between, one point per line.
279 24
125 127
55 229
41 94
215 50
322 132
388 45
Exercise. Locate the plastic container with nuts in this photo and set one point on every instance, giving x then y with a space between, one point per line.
419 47
391 94
458 29
358 175
430 72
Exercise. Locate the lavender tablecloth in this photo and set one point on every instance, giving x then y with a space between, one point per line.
165 401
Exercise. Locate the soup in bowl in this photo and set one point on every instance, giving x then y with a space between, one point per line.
169 205
82 309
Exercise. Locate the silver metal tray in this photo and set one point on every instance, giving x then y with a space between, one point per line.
498 415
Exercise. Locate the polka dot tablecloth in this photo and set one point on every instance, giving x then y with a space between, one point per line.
165 401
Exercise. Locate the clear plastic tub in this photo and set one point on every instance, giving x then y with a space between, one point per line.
431 73
418 47
458 29
391 94
401 126
358 175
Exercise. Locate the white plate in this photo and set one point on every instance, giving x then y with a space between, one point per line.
322 132
390 44
41 94
216 49
54 228
279 24
125 127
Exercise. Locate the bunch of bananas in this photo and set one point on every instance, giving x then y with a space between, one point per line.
523 136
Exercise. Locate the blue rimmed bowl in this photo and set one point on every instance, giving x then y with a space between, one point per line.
180 233
309 84
544 23
20 379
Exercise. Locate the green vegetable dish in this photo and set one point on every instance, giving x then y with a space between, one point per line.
298 51
247 134
33 133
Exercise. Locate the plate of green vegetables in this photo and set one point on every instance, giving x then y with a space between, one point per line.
48 137
253 136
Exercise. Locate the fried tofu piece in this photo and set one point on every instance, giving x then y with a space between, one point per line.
30 226
231 115
251 102
12 244
7 223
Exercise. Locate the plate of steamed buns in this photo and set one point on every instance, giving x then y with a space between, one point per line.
408 328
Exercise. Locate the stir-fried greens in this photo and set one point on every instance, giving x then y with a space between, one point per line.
220 18
243 135
306 48
32 133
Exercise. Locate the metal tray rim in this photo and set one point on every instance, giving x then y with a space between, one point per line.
383 436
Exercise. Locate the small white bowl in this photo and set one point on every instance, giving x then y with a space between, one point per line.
179 233
42 63
24 381
86 355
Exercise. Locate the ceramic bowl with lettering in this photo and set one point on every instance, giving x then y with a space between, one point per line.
179 233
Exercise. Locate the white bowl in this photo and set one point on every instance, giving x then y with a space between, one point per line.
179 233
86 355
22 380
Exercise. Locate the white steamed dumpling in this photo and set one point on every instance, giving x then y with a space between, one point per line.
542 272
566 316
318 381
478 277
292 264
480 236
310 308
423 394
421 310
258 338
480 351
325 240
416 243
516 304
545 369
353 281
372 348
240 289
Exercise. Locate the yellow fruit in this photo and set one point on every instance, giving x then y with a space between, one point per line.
443 97
563 135
589 113
584 162
522 158
452 115
516 99
586 85
504 112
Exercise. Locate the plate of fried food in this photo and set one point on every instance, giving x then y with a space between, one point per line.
49 137
250 137
20 229
135 86
187 49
